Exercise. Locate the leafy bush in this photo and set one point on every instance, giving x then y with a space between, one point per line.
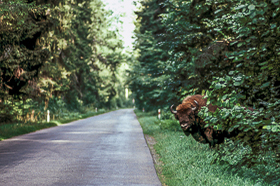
226 49
183 161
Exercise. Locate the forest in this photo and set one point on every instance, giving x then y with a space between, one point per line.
60 56
227 50
63 55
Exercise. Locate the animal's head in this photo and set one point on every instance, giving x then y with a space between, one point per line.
185 113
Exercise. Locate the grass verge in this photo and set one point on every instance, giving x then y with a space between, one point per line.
188 163
16 129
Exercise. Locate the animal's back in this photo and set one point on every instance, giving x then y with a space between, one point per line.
201 102
193 97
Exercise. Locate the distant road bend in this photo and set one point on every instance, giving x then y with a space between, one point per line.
108 149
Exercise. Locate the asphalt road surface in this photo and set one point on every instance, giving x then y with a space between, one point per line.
108 149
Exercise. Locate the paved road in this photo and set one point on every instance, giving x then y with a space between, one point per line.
108 149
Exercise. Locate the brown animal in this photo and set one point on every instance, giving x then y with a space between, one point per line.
191 123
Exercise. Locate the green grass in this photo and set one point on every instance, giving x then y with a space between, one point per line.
16 129
187 162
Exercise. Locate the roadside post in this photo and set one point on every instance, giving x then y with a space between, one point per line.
158 113
133 101
48 116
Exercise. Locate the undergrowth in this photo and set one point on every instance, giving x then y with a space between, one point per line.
16 129
189 163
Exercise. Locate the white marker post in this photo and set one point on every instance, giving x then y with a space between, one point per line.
48 116
95 109
158 113
133 101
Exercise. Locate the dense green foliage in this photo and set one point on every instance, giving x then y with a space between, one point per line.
186 162
148 77
58 54
227 50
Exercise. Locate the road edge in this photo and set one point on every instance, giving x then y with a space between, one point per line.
150 140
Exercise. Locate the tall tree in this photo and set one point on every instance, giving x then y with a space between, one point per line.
150 83
22 23
57 50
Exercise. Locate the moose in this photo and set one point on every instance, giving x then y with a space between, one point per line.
191 123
